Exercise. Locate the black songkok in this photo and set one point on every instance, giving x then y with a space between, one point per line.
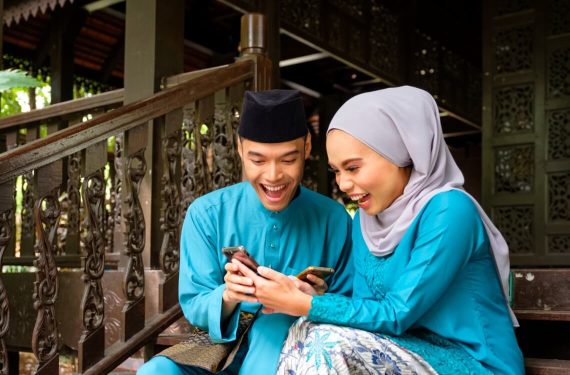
272 116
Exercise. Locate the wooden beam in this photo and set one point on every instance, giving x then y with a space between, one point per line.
106 99
303 59
100 4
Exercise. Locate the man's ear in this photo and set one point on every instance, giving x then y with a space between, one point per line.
307 145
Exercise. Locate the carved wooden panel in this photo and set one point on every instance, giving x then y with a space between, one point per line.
384 39
513 49
514 169
526 127
6 222
559 196
170 211
558 128
557 73
306 15
511 6
559 244
516 225
560 16
354 8
425 63
514 109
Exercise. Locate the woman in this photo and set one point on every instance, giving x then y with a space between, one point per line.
431 268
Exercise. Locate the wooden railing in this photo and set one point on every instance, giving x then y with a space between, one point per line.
198 114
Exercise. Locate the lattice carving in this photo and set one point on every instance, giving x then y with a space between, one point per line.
92 305
337 32
170 211
113 305
425 63
560 15
27 205
310 175
73 196
195 172
516 225
559 196
558 123
304 15
135 228
357 44
115 220
514 109
6 233
234 120
354 8
384 39
514 169
558 73
452 84
45 337
559 244
512 6
513 49
224 148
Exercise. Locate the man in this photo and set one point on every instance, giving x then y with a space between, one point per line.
283 226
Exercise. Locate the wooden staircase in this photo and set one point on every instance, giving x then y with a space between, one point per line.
79 231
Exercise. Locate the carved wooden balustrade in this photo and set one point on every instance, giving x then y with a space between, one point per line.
198 113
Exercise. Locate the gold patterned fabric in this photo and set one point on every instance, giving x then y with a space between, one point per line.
199 350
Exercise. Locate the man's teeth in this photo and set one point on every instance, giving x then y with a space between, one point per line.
357 197
274 188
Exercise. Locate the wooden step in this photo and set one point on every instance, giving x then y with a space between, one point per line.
539 366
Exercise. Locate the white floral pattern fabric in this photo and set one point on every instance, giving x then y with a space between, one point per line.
323 349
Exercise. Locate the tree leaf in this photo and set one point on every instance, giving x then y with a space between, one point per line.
12 78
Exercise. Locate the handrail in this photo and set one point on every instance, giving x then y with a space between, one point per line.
73 139
120 351
64 108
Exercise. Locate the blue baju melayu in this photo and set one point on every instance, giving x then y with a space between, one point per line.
312 230
437 295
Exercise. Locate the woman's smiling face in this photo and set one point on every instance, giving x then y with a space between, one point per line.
365 176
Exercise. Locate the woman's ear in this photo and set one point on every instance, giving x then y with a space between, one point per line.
308 145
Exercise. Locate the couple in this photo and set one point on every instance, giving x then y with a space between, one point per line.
421 272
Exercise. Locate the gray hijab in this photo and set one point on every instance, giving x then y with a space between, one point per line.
402 125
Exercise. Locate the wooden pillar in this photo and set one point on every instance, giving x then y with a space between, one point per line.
271 10
154 47
61 52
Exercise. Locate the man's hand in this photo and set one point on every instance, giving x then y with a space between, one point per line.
277 292
238 287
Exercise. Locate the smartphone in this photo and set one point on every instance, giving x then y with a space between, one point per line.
321 272
241 254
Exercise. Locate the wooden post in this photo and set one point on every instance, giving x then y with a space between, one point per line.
154 47
253 45
271 10
92 342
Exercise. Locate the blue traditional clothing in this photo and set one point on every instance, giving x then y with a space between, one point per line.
312 231
437 295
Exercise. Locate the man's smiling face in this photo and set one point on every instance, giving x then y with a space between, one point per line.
274 169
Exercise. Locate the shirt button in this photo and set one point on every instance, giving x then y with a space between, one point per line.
274 227
272 246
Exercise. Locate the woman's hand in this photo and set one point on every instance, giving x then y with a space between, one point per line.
317 286
277 292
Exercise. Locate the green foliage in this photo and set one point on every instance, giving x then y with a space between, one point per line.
12 78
